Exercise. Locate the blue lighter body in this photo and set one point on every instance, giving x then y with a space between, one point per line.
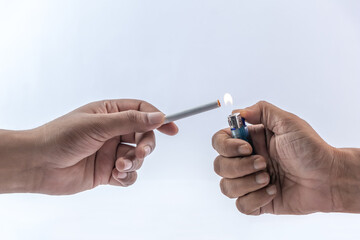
238 127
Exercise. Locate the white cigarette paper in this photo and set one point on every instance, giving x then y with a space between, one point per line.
192 111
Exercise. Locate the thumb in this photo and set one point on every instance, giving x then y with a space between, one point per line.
121 123
272 117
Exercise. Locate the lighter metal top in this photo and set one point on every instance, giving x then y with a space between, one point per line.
235 121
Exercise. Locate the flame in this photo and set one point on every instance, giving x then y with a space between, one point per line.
228 99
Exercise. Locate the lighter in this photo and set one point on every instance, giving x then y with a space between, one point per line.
238 127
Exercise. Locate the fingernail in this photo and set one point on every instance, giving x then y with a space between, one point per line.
271 190
147 150
127 164
244 149
259 164
261 178
155 117
122 175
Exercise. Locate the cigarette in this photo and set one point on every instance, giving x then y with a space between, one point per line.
192 111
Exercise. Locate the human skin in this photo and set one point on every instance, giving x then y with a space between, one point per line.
289 170
90 146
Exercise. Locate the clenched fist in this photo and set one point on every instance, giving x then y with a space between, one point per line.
289 169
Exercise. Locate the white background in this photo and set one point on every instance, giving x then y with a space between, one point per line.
303 56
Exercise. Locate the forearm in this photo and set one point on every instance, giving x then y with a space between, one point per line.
18 157
346 180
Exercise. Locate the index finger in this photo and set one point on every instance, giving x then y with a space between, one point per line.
227 146
119 105
169 128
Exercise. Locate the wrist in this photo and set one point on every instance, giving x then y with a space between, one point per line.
345 181
19 156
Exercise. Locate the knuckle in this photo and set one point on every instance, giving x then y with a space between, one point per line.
217 167
225 187
142 104
108 106
95 124
223 149
220 144
262 103
238 167
214 140
132 115
228 167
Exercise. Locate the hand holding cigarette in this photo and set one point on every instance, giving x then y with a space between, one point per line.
81 150
289 170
